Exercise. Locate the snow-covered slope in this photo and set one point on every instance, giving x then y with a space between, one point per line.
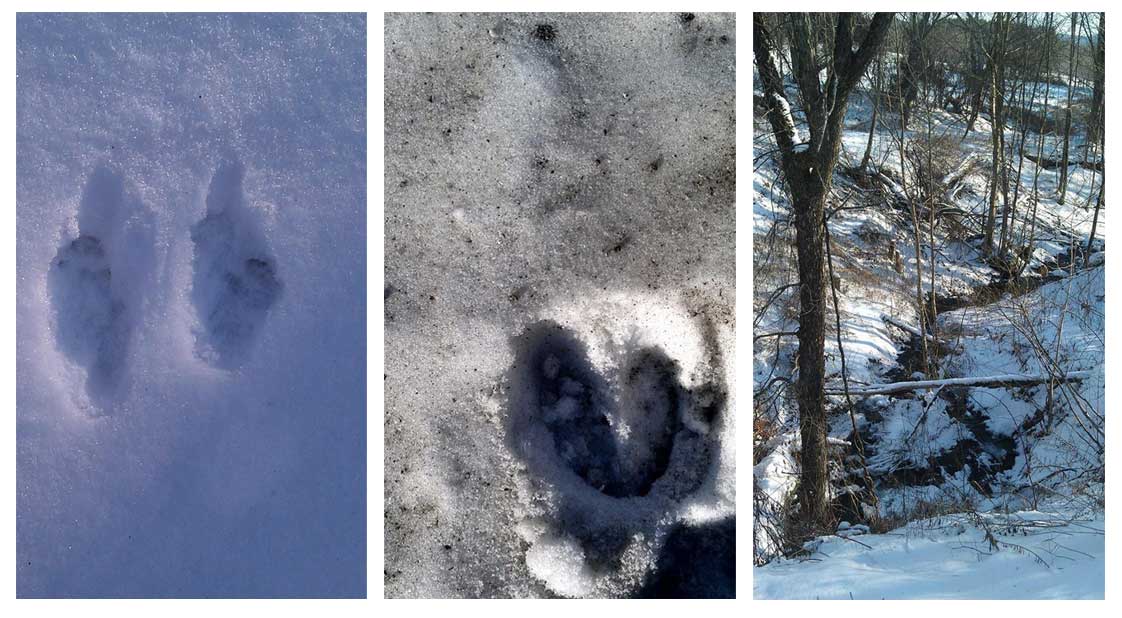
191 305
997 448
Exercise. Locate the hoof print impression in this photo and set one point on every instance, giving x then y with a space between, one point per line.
614 446
89 282
616 435
574 405
235 282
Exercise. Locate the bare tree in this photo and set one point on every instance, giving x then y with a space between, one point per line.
976 71
1099 89
1049 40
911 196
1095 133
999 177
876 97
1072 68
916 67
808 169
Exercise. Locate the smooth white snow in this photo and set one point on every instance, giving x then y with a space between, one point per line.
1033 555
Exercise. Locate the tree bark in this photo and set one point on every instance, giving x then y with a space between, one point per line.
808 170
1099 92
1050 34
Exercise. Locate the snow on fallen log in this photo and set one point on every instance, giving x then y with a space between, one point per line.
1011 379
959 172
895 189
953 181
904 327
1050 164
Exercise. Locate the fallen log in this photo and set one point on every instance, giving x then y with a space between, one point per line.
893 188
1003 381
1051 164
953 181
911 330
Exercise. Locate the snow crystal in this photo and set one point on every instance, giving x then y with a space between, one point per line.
560 563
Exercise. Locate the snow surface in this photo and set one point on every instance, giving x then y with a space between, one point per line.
191 305
1029 555
559 305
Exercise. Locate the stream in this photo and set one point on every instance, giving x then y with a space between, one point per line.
983 454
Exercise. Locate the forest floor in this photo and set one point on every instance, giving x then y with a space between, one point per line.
972 481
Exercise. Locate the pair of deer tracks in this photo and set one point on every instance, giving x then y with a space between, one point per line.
235 281
614 441
98 280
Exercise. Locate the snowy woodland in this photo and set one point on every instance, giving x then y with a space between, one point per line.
928 333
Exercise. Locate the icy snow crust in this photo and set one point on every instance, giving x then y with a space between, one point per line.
191 305
559 305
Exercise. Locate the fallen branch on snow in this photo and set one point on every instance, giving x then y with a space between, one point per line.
953 181
1050 164
905 327
999 380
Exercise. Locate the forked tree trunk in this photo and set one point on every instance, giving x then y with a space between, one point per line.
808 170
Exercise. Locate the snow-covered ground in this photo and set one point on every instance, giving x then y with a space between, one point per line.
559 305
953 452
191 204
1023 555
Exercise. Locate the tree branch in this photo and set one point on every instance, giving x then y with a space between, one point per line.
998 381
775 98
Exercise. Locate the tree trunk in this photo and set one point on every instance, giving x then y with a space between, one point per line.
1094 225
1051 35
999 177
873 122
1095 132
916 244
1072 67
910 78
995 153
808 169
1099 91
809 203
